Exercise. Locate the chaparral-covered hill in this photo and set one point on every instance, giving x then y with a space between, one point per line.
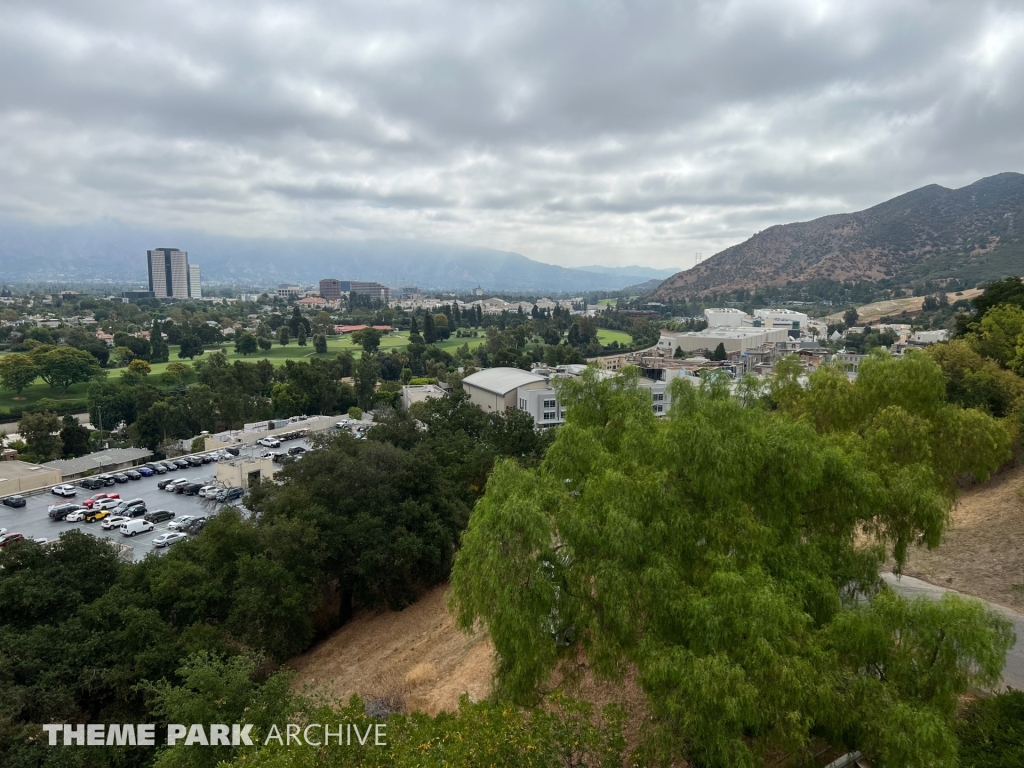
972 234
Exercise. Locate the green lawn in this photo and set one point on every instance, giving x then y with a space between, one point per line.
277 355
606 336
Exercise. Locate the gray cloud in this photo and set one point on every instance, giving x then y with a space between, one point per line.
597 132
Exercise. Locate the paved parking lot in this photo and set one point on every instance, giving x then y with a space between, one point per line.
33 521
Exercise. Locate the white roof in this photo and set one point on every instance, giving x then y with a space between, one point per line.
501 381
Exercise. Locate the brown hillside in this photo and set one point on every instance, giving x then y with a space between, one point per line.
929 232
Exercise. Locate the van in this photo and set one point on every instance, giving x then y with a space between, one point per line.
133 527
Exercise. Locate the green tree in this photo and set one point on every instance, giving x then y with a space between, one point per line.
41 432
320 344
367 374
265 343
720 353
174 374
246 344
998 333
429 333
73 437
851 318
687 548
17 371
159 351
64 366
283 336
214 689
191 347
301 337
368 339
355 412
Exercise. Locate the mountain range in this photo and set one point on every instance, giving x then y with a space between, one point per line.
971 234
112 250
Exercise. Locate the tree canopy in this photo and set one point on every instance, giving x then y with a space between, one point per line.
715 552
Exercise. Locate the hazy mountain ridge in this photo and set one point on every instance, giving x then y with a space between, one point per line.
972 233
111 249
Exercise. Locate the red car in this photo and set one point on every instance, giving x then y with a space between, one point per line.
10 538
89 502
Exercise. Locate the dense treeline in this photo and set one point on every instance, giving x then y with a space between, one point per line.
357 523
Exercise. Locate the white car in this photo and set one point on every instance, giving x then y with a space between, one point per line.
3 531
64 490
208 491
107 504
40 540
114 521
76 517
175 483
269 442
180 522
166 539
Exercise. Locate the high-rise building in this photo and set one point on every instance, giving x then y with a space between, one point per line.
168 273
330 289
195 286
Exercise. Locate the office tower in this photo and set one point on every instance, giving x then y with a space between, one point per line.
330 289
195 288
168 273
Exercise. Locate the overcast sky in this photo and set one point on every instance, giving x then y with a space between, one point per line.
575 133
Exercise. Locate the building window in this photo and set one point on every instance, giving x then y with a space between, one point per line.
659 396
549 415
659 408
549 403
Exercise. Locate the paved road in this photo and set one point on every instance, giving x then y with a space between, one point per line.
1013 673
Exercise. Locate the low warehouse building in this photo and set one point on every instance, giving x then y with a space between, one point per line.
494 390
22 477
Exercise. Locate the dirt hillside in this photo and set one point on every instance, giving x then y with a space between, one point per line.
982 553
417 655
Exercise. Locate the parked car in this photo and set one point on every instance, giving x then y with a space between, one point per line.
191 489
196 525
133 474
14 501
106 503
166 539
40 540
114 521
10 538
172 486
180 523
158 516
182 464
232 451
120 477
133 527
269 442
133 508
208 491
230 494
295 450
156 467
64 490
170 466
91 483
76 517
108 480
92 500
161 484
208 457
195 461
145 471
60 511
92 515
277 458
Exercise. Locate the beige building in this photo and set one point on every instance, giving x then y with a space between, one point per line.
22 477
494 390
244 471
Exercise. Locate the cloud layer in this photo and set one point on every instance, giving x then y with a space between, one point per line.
576 133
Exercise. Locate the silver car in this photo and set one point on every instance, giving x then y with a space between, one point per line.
166 539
